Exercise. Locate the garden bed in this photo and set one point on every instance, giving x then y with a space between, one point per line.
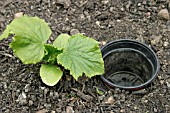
21 89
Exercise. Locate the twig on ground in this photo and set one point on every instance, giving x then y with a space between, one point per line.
82 95
6 54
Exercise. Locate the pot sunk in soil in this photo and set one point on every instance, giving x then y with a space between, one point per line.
129 64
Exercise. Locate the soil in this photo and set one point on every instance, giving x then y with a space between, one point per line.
21 89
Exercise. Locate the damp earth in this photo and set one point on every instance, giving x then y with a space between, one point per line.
21 89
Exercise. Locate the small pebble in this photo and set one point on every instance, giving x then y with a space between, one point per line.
144 2
69 109
7 111
110 100
102 43
155 110
128 5
159 77
145 101
66 19
73 24
22 99
24 95
135 107
30 103
111 9
161 82
42 88
118 20
88 18
122 111
17 15
82 17
53 112
155 39
56 94
168 84
166 44
123 98
27 87
139 4
98 23
148 14
51 94
105 1
122 9
74 31
163 14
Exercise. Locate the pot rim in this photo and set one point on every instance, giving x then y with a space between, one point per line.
141 85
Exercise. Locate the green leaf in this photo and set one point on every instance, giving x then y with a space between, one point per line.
5 33
61 41
31 33
82 55
99 92
50 74
51 53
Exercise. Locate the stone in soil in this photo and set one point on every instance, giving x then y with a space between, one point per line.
166 44
74 31
69 109
163 14
155 39
17 15
22 99
110 100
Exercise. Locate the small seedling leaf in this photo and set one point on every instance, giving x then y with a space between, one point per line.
100 92
61 41
51 53
82 55
50 74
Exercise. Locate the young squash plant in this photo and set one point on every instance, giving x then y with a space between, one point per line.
77 53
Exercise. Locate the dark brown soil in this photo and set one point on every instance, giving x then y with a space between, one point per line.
21 89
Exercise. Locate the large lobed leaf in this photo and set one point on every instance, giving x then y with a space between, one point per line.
82 55
50 74
31 33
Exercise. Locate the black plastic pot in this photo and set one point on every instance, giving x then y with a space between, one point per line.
129 64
